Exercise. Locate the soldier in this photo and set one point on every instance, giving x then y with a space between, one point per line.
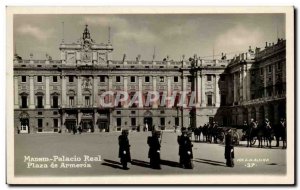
154 149
185 150
283 129
249 131
229 150
124 149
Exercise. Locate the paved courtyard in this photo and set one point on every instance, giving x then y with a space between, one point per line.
46 154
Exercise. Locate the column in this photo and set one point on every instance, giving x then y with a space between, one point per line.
248 87
203 98
199 89
169 91
125 105
274 79
110 88
265 81
63 120
140 92
95 117
214 89
154 105
16 92
244 84
31 92
96 79
47 95
79 93
79 117
241 94
234 88
63 91
217 91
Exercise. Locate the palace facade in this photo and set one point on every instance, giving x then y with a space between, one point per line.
57 95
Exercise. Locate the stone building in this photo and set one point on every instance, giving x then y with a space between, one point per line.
256 86
58 95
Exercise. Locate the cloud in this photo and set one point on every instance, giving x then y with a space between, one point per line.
35 32
238 38
104 21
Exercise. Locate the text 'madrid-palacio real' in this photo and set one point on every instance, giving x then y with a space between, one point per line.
57 95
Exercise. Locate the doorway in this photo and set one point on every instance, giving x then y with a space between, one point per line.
70 124
148 122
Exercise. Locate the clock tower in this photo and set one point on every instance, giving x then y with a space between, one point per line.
86 52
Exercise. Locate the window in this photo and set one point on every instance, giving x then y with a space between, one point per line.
161 79
162 121
208 77
23 78
118 79
177 121
71 78
146 67
55 101
209 100
119 122
147 79
40 102
54 78
24 102
71 100
132 66
119 112
39 79
261 71
40 125
175 79
55 125
87 100
132 112
189 79
133 121
102 78
40 113
55 113
161 67
132 79
270 68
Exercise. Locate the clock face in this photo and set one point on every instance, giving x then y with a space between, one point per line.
86 56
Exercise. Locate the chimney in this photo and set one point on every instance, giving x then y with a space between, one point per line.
266 44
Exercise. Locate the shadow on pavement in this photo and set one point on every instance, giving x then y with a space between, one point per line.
169 163
112 165
210 162
140 163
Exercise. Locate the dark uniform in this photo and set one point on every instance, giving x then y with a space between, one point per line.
283 129
229 150
250 131
124 149
154 150
185 150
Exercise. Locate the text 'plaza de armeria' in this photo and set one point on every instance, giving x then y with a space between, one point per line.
58 95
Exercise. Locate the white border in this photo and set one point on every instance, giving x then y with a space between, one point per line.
182 179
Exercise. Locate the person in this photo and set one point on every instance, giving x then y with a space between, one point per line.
283 129
74 130
249 133
229 149
154 149
185 150
124 149
79 129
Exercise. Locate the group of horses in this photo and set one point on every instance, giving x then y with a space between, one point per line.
210 133
264 134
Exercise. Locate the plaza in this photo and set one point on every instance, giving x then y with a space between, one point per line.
208 158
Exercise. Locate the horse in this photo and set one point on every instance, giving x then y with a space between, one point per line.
197 132
205 132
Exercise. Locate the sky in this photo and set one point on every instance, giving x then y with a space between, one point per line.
171 35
